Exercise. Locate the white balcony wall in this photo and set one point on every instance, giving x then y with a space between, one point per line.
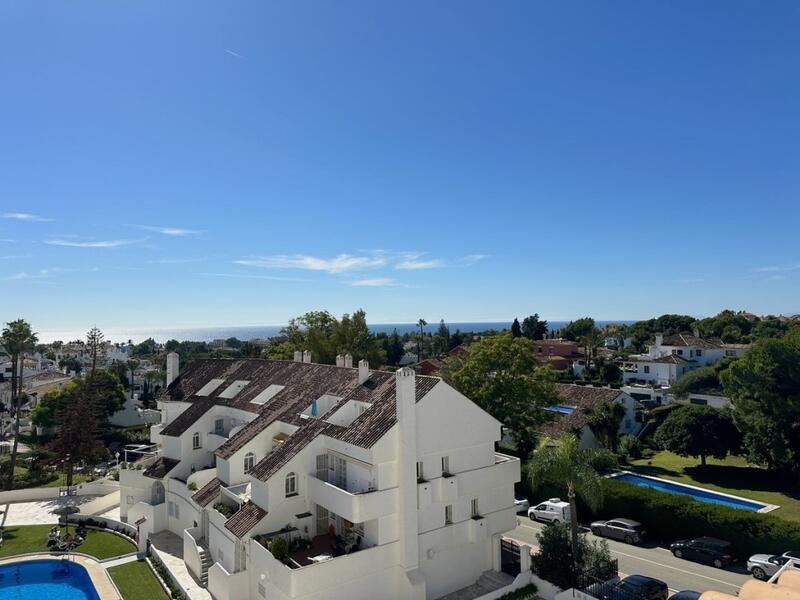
223 585
191 550
357 508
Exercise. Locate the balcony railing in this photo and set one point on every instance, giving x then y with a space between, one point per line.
355 507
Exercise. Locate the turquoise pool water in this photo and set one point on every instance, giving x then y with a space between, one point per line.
46 579
682 490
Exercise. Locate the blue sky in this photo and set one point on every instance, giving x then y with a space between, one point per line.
197 163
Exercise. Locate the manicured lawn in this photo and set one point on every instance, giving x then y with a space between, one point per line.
136 581
33 538
731 475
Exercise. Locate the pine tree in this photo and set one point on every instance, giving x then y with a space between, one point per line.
516 330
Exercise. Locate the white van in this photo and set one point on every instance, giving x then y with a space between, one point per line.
550 510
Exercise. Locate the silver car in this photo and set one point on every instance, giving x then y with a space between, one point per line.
764 566
624 530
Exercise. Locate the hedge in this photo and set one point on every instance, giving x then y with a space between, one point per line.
668 517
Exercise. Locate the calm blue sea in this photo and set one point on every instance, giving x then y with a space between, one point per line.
207 334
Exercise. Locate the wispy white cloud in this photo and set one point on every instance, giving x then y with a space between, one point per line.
338 264
252 276
776 277
417 264
232 53
90 244
377 282
471 259
43 273
7 241
22 216
778 268
173 231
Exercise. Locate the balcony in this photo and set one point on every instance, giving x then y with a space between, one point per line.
355 507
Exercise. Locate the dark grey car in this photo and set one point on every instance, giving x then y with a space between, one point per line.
624 530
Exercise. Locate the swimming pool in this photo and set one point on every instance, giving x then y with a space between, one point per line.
45 579
700 494
561 409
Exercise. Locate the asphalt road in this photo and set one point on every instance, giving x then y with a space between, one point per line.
655 561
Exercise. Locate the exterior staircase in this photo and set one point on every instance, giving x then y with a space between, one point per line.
488 582
205 565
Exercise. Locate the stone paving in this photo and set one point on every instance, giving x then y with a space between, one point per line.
39 512
170 547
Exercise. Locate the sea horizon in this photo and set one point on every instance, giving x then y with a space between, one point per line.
250 332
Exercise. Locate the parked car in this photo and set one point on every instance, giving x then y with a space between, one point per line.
792 554
550 510
708 550
633 587
521 504
642 587
624 530
685 595
102 469
764 566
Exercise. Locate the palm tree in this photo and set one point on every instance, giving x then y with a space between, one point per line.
564 461
17 338
421 324
590 342
604 424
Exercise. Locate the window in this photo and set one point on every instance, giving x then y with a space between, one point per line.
445 465
290 486
698 352
475 512
448 514
129 500
173 510
680 352
219 426
420 472
196 441
647 368
249 462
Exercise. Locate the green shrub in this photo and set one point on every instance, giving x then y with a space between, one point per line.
192 486
604 461
630 447
279 549
524 593
669 517
553 562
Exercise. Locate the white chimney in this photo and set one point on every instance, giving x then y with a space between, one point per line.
298 356
173 367
306 356
363 370
659 339
405 404
339 360
696 332
348 361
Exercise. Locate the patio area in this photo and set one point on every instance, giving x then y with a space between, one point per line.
322 548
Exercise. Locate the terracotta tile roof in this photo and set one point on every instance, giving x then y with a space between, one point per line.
669 359
208 493
160 468
584 399
687 339
245 519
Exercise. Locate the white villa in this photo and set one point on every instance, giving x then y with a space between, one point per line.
671 357
384 485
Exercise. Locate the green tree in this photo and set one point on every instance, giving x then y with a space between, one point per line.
533 328
77 431
94 342
764 386
133 364
17 339
516 329
694 430
554 545
575 330
604 424
564 462
590 341
442 339
70 364
501 376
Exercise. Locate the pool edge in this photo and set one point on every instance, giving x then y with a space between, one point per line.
99 576
767 507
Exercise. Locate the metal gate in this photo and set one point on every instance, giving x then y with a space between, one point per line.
509 557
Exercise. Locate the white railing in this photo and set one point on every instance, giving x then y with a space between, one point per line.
356 508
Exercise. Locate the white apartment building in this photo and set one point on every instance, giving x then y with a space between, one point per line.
386 485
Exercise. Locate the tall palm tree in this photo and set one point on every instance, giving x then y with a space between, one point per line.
17 338
421 324
591 341
563 461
